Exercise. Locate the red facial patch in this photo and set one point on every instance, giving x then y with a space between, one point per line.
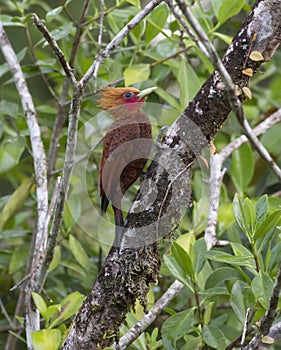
131 103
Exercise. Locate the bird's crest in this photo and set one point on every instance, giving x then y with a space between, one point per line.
111 97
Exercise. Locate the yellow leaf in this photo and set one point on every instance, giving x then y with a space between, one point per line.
267 340
256 56
248 71
238 91
247 92
15 202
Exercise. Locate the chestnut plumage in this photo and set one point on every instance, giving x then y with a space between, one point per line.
126 148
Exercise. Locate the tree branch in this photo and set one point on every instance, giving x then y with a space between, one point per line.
151 316
40 167
63 100
55 47
217 173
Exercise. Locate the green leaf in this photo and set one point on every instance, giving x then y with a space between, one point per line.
191 343
245 215
10 152
268 224
53 13
188 82
214 337
269 138
241 298
8 108
214 292
18 259
15 202
240 250
226 38
183 259
168 98
79 252
46 339
208 312
137 32
242 166
69 306
177 271
136 73
274 257
176 326
261 208
9 21
200 249
220 275
218 256
155 22
51 311
40 304
262 286
227 9
56 258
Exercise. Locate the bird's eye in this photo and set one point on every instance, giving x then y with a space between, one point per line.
129 94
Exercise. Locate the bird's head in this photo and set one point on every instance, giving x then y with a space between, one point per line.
130 98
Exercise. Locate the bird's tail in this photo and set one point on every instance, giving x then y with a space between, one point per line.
104 203
119 226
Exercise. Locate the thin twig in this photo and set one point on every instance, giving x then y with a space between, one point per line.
259 147
53 201
63 100
245 328
217 173
186 28
5 313
42 74
55 47
151 316
98 57
78 33
21 282
258 130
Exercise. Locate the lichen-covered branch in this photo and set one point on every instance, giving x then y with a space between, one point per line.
40 168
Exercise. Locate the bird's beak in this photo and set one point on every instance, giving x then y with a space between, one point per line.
146 92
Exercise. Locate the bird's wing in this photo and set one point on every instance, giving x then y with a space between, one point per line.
118 151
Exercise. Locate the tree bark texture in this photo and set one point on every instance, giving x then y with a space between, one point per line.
127 273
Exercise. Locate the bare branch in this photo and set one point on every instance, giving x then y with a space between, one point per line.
98 57
55 47
258 130
262 151
78 32
246 327
63 100
151 316
217 173
40 167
